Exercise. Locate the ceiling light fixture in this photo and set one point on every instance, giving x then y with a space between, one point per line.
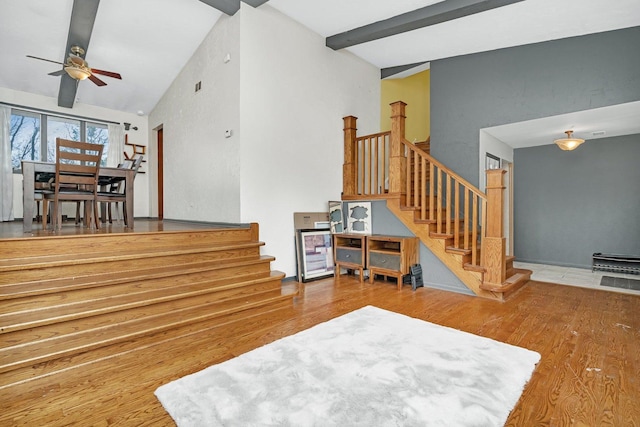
77 73
569 143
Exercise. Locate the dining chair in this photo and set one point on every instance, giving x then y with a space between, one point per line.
116 191
76 180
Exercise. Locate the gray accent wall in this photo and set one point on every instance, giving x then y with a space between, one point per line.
472 92
571 204
435 273
598 182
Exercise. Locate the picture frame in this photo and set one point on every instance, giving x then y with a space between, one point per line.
315 254
336 217
359 217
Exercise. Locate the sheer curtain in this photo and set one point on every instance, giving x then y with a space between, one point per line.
6 170
116 145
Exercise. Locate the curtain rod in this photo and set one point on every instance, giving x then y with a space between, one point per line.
56 113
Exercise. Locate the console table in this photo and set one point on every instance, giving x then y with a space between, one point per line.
349 252
391 256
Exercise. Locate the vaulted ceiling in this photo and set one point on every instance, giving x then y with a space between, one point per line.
149 41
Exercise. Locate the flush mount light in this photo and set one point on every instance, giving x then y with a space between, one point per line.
569 143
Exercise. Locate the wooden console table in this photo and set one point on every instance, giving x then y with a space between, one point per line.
391 256
349 251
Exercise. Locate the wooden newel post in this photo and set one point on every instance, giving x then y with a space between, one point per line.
397 160
349 171
494 248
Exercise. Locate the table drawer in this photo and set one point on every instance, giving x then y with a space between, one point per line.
386 261
352 256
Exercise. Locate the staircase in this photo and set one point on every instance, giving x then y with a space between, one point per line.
460 224
90 297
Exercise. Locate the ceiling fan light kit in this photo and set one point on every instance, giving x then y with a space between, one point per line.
77 73
569 143
77 68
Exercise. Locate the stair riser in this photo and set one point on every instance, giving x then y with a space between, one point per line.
97 266
83 244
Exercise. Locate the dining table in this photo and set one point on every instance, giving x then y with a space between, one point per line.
33 171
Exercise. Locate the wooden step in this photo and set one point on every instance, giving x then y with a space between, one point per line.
510 285
37 345
85 297
45 282
256 317
83 302
80 258
113 243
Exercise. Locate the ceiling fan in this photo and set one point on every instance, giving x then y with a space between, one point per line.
77 68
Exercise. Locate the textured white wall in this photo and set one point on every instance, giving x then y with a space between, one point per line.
141 201
201 166
294 93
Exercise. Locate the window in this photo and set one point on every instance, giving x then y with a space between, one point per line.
32 141
25 137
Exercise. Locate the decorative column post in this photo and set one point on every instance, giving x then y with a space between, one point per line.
494 246
349 184
397 160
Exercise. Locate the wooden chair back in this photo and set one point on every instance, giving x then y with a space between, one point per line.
76 178
77 165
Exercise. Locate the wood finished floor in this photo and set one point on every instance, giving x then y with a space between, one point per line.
589 374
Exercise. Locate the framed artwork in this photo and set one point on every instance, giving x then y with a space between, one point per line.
336 217
315 254
359 217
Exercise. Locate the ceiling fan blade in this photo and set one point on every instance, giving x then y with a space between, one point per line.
96 80
42 59
106 73
57 73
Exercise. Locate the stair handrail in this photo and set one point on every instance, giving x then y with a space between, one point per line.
441 196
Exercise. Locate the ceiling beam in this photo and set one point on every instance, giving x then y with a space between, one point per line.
390 71
255 3
229 7
430 15
83 16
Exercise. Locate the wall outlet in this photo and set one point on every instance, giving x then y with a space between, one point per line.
227 133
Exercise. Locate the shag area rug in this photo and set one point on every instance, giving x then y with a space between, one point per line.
370 367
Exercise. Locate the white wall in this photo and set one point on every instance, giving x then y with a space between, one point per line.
294 93
201 166
141 201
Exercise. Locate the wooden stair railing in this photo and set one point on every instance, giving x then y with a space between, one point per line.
459 223
456 208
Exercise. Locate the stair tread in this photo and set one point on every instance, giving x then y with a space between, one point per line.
254 317
520 277
27 347
84 302
23 263
45 286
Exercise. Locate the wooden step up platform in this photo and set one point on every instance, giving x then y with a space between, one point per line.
86 297
513 283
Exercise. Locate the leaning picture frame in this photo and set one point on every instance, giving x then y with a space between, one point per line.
315 252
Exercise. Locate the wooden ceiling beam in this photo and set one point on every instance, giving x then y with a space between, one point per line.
83 16
419 18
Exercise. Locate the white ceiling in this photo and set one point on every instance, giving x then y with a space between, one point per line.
605 122
149 41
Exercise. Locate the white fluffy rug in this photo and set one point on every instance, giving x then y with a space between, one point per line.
370 367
